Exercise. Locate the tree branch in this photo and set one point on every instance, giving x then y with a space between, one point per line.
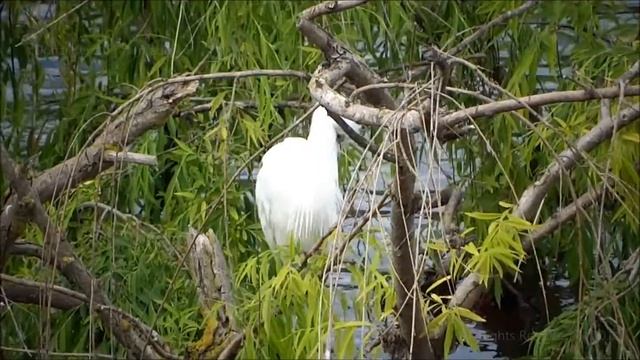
565 214
58 250
130 157
470 289
532 197
484 28
408 298
210 272
486 110
413 119
152 109
329 7
31 292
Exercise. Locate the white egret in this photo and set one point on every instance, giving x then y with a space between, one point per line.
297 190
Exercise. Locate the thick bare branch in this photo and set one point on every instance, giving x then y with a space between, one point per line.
413 119
485 110
152 108
31 292
321 91
150 111
209 270
211 274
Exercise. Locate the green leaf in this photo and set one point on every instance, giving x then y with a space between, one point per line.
633 137
436 298
466 313
484 216
448 338
471 248
186 194
505 204
438 282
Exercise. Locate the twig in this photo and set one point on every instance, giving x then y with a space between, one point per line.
130 157
484 28
364 219
359 90
329 7
364 143
98 206
41 30
563 215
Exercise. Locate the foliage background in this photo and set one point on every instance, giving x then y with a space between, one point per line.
105 51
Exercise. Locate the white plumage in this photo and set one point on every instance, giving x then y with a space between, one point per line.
297 190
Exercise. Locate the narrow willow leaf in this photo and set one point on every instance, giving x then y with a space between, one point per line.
438 282
484 216
466 313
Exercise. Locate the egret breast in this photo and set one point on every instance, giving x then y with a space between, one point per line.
297 193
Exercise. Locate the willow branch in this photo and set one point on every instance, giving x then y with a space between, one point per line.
469 290
31 292
58 250
499 20
555 97
151 109
532 197
130 158
564 215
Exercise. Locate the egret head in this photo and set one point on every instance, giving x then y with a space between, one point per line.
320 117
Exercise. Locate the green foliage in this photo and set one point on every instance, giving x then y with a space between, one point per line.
106 51
501 248
603 325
